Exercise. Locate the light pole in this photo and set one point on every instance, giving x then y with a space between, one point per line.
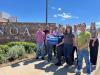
46 26
46 12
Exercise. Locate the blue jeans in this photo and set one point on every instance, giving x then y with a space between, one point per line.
68 49
84 54
40 49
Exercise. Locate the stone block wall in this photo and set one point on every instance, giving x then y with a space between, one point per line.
19 31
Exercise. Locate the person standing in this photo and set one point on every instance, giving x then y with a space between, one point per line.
83 51
68 41
51 40
94 44
40 37
55 34
60 50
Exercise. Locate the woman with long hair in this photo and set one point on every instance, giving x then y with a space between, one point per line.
68 41
94 44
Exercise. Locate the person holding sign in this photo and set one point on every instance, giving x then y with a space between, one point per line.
60 50
51 40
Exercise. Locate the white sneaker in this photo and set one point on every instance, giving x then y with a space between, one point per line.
93 65
88 74
71 66
40 57
46 62
76 70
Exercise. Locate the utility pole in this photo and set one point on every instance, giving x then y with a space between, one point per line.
46 12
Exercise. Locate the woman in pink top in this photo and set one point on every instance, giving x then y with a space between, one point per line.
40 37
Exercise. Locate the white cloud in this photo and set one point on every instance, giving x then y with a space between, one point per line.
65 16
59 9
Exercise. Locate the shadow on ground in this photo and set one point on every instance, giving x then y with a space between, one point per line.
25 62
15 65
50 67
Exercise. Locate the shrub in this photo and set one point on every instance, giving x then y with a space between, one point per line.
3 59
16 52
3 53
11 44
21 51
4 49
29 47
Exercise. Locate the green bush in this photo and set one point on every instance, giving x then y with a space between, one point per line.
29 47
3 58
4 49
21 51
11 44
16 52
3 53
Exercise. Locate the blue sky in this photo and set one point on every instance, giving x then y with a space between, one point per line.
59 11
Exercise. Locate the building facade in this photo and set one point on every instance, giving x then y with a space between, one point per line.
5 17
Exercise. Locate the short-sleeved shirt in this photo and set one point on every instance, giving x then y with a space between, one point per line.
40 36
68 38
60 38
83 38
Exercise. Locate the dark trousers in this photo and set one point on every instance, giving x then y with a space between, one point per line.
94 51
60 53
68 48
74 49
49 51
54 50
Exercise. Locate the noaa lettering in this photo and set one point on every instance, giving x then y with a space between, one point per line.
15 29
19 31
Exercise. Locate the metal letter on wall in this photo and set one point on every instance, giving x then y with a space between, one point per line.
26 32
14 30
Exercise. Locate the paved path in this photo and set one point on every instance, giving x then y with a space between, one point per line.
32 67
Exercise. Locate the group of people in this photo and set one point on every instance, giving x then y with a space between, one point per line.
63 42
